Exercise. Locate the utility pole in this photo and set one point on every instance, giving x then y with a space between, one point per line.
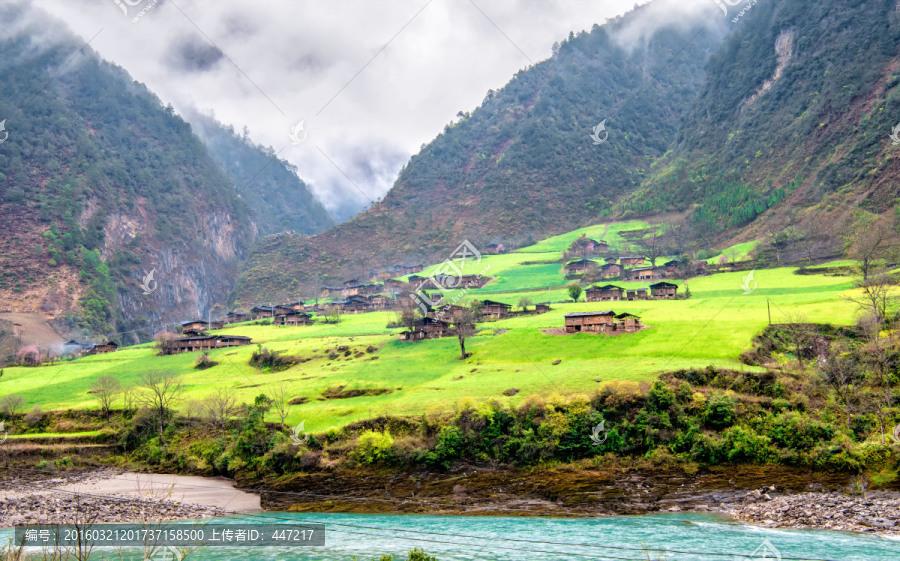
768 307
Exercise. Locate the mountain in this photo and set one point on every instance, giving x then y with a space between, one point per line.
101 185
789 136
521 166
278 199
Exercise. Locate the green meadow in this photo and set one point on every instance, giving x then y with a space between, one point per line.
712 327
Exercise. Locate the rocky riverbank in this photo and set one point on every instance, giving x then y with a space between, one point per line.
875 512
114 496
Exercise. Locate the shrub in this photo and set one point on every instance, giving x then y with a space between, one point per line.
11 405
203 362
373 447
272 361
721 410
34 417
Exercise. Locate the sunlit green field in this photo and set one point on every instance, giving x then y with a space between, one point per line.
712 327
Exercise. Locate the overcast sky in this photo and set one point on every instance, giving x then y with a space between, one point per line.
372 80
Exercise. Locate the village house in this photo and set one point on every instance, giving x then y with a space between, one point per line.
260 312
542 308
631 260
611 271
394 286
663 290
593 322
380 301
579 267
204 343
237 317
605 292
671 267
699 267
194 325
333 290
494 310
628 322
596 246
427 328
644 273
102 348
610 260
637 294
293 318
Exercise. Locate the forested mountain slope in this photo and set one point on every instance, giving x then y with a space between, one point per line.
522 165
100 185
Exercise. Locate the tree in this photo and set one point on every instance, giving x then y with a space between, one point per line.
334 314
653 243
524 302
842 371
218 407
11 405
875 298
463 321
871 240
159 392
281 402
574 291
106 388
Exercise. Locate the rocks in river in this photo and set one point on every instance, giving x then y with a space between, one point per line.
877 512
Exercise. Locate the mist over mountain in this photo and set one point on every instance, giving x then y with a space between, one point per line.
523 164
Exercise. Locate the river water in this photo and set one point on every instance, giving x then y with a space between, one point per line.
683 537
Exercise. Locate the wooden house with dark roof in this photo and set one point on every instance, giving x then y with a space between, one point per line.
494 310
671 267
629 323
428 328
605 292
637 294
237 317
644 273
591 322
103 348
596 246
260 312
663 290
293 318
611 271
631 260
579 266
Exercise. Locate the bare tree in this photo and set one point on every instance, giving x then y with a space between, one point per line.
106 388
842 371
875 298
871 240
159 392
800 333
281 402
463 321
579 246
11 405
653 243
218 407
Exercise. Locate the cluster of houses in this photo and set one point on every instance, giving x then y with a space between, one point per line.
78 348
658 291
630 267
602 322
194 337
439 322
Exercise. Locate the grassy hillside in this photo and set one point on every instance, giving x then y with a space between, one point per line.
712 327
